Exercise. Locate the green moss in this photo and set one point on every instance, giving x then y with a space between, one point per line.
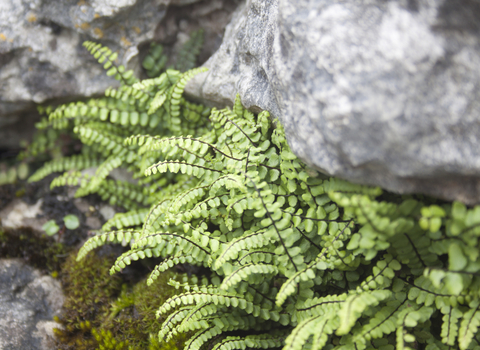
89 290
39 251
106 312
132 316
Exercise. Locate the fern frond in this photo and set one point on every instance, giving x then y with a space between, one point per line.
76 162
259 341
198 169
128 219
234 128
322 333
169 263
469 325
219 297
133 255
112 162
305 330
383 273
155 60
128 195
71 178
187 56
173 105
130 97
105 56
451 316
157 101
106 237
253 240
355 305
243 273
168 326
307 272
384 322
329 304
201 337
108 143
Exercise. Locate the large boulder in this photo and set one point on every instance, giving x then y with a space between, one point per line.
41 53
40 45
42 58
381 92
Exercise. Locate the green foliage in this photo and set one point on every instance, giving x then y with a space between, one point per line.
71 221
186 58
153 106
103 313
296 261
50 227
155 61
10 174
42 252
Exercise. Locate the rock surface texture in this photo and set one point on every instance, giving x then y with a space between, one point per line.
40 45
378 92
28 302
41 53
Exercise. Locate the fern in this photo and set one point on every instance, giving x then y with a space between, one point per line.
295 261
186 58
105 56
469 325
78 162
155 61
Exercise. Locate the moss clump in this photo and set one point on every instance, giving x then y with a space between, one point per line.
132 316
89 290
39 251
107 312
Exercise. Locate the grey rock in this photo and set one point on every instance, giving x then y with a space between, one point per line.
377 92
40 45
42 58
41 53
28 302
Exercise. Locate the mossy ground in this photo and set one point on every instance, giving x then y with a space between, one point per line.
41 252
106 312
100 311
